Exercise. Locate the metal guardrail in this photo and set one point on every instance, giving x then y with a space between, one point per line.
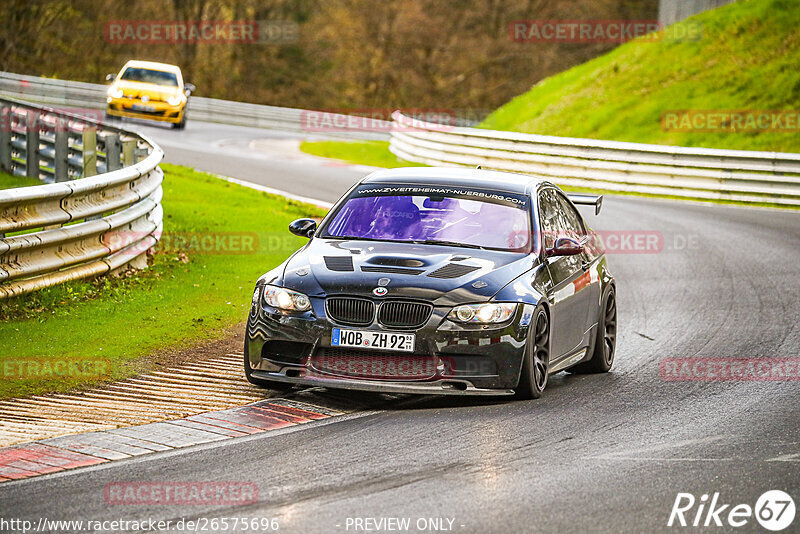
72 228
93 96
770 177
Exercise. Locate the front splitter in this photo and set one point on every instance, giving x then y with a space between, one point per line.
438 387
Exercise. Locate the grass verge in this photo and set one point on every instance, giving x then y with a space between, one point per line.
372 153
218 238
8 181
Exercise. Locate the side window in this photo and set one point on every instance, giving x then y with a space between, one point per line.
548 215
572 225
558 217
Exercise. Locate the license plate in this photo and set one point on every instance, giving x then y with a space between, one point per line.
139 107
373 340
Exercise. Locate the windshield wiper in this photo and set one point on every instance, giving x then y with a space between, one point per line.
447 243
414 241
351 237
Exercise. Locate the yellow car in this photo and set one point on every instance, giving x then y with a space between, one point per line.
149 90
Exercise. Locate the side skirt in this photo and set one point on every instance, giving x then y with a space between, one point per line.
581 355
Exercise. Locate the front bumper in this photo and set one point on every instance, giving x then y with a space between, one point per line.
468 359
161 111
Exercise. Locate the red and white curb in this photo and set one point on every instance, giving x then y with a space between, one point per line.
191 388
82 450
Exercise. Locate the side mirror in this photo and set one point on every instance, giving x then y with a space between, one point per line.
565 246
188 88
303 227
110 77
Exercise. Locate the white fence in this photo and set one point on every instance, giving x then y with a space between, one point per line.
74 228
770 177
69 94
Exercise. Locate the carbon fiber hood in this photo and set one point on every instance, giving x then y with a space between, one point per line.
443 275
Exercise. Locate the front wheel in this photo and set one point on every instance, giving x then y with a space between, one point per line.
180 125
536 362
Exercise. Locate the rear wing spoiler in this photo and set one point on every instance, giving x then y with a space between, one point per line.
580 199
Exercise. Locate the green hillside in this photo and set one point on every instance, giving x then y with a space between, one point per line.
747 59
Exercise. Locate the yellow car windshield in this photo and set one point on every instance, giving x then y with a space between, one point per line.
155 77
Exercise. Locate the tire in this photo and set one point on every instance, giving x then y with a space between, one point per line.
180 125
605 342
536 362
260 382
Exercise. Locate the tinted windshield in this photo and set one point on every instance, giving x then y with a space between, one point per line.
157 77
455 216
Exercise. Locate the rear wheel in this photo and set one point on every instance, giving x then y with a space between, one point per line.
605 342
536 363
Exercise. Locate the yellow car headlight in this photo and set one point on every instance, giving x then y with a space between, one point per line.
115 92
174 100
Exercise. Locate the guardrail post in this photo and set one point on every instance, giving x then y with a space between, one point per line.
5 137
32 144
139 262
89 151
128 152
113 160
62 151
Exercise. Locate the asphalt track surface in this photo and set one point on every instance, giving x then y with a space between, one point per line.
601 453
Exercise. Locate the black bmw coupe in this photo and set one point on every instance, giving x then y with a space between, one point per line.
437 281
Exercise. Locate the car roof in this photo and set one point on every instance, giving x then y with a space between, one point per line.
152 65
499 181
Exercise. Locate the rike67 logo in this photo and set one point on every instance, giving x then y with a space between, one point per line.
774 510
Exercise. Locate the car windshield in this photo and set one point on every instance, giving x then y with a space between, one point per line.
156 77
452 216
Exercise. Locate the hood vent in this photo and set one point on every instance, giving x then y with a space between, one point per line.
453 270
397 262
391 270
339 263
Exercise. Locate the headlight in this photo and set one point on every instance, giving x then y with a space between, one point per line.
174 100
115 92
490 312
286 299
